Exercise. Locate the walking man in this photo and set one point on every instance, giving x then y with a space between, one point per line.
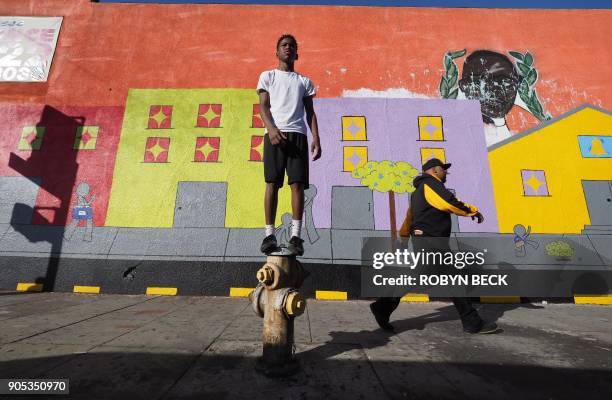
429 215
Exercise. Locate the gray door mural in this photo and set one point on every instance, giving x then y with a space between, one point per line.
352 207
200 204
17 199
598 195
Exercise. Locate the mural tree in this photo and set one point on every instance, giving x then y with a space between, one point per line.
387 176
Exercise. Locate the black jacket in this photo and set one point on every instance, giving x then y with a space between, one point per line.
431 204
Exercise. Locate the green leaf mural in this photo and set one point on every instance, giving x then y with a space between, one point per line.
526 90
386 176
448 85
559 249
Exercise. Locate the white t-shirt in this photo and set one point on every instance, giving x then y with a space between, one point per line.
287 91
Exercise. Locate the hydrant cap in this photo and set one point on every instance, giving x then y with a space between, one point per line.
295 304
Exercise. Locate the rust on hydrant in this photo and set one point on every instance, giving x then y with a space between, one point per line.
277 300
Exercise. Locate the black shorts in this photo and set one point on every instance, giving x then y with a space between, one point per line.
291 156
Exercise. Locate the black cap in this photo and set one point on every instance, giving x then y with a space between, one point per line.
434 162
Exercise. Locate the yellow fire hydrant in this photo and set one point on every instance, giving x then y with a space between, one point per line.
277 300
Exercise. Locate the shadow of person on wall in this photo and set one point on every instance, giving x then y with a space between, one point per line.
52 165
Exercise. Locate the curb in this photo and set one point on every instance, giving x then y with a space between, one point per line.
337 282
243 292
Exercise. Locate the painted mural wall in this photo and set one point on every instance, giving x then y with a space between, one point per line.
154 125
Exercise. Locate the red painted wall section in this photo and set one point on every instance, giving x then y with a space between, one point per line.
105 49
60 166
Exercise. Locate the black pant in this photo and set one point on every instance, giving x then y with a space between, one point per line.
291 156
469 316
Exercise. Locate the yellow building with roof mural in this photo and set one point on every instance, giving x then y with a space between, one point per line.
556 178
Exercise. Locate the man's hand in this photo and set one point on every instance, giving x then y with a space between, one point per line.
276 136
315 149
478 216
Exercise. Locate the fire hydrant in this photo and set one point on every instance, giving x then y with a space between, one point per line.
277 300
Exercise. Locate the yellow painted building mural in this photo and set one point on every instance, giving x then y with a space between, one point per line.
556 178
174 136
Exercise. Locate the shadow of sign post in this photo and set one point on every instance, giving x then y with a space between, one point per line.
52 165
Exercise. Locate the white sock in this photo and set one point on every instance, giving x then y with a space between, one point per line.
269 230
296 227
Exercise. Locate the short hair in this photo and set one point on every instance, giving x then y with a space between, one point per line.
286 36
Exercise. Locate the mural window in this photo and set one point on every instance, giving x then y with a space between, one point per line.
256 148
86 137
31 138
595 146
431 128
534 183
354 157
429 153
207 149
354 128
156 150
256 121
209 116
160 117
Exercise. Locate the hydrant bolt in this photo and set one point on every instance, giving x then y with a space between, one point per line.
265 275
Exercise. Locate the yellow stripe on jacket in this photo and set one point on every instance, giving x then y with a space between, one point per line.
436 201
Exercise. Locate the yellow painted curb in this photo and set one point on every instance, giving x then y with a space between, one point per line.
415 298
29 287
330 295
602 299
86 289
163 291
500 299
240 291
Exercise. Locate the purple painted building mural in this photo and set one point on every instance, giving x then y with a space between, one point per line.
356 130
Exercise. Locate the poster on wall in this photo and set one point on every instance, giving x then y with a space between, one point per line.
27 45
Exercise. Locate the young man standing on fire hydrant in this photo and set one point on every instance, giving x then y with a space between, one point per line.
284 97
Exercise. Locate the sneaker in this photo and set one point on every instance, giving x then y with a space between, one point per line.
296 246
269 244
486 328
381 319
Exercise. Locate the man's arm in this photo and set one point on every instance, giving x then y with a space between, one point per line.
311 119
275 135
441 198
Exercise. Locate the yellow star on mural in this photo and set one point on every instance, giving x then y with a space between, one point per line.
209 114
159 117
534 183
206 149
156 150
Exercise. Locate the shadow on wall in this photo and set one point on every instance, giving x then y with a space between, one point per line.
52 139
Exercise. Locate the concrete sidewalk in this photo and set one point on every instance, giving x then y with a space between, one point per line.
146 347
